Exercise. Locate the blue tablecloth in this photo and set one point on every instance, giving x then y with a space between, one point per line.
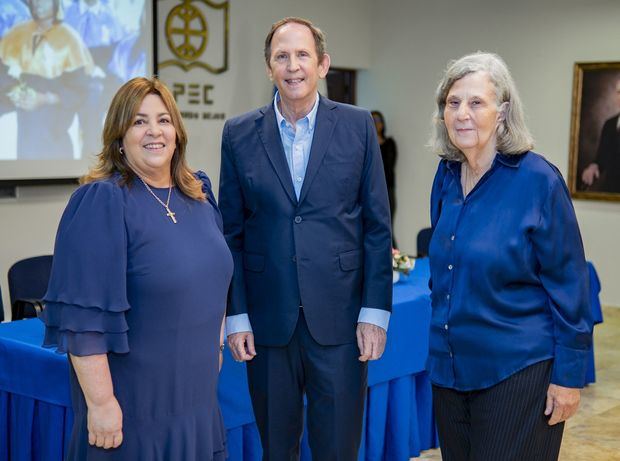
35 403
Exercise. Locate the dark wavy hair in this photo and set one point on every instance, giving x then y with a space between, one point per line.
376 113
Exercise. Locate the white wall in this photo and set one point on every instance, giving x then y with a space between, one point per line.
28 224
404 45
540 41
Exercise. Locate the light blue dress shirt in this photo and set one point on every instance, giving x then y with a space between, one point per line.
297 143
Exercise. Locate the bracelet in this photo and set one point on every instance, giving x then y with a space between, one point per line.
222 347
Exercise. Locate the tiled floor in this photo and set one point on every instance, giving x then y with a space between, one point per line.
593 434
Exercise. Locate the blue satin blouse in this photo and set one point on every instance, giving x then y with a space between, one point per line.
509 278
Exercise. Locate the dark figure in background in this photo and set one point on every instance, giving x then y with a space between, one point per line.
388 155
45 71
607 163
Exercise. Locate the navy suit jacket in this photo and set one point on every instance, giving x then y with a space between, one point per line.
329 251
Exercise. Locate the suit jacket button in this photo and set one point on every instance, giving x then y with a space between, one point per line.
297 219
294 258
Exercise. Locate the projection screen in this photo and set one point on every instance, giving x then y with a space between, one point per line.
61 61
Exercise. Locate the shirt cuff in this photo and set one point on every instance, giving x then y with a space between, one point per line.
237 324
569 367
378 317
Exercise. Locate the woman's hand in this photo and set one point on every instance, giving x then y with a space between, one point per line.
562 403
105 424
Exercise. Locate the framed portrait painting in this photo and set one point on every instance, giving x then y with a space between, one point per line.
594 167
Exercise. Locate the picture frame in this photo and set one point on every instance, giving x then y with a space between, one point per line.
594 163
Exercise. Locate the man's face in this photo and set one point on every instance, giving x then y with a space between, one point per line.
294 65
42 9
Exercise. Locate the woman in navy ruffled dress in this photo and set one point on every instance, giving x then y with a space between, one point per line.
138 291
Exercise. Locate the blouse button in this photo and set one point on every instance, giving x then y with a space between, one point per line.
445 327
452 237
450 267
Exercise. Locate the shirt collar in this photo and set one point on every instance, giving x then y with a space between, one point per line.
311 115
509 160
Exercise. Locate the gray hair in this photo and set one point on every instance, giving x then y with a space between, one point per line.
513 136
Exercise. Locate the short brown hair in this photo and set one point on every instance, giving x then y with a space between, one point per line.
319 37
119 119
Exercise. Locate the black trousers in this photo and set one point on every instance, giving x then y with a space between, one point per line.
505 422
334 381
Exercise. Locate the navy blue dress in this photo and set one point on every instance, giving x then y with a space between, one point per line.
128 282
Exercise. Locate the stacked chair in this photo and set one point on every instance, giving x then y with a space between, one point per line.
423 240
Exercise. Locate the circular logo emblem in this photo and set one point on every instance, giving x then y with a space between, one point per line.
186 31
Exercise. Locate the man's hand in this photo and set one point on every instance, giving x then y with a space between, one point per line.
242 346
105 424
370 340
590 174
562 403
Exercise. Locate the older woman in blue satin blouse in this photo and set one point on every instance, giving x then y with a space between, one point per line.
511 329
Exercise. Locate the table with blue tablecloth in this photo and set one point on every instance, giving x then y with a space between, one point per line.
35 403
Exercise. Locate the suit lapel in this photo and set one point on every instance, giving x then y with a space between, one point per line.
269 134
324 128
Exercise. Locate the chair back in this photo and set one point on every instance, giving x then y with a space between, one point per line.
28 279
423 240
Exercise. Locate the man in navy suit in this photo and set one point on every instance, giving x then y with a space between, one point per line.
307 219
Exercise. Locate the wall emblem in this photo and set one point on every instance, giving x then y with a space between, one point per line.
196 33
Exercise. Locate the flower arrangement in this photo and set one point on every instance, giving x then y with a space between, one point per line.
401 262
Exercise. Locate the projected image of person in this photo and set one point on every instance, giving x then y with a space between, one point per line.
129 57
45 69
12 12
100 30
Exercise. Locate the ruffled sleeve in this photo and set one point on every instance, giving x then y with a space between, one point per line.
206 188
86 299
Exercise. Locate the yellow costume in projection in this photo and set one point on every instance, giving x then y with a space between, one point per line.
43 77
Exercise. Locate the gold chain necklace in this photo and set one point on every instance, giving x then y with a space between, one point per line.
169 213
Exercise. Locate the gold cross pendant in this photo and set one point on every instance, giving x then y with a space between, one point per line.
170 214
